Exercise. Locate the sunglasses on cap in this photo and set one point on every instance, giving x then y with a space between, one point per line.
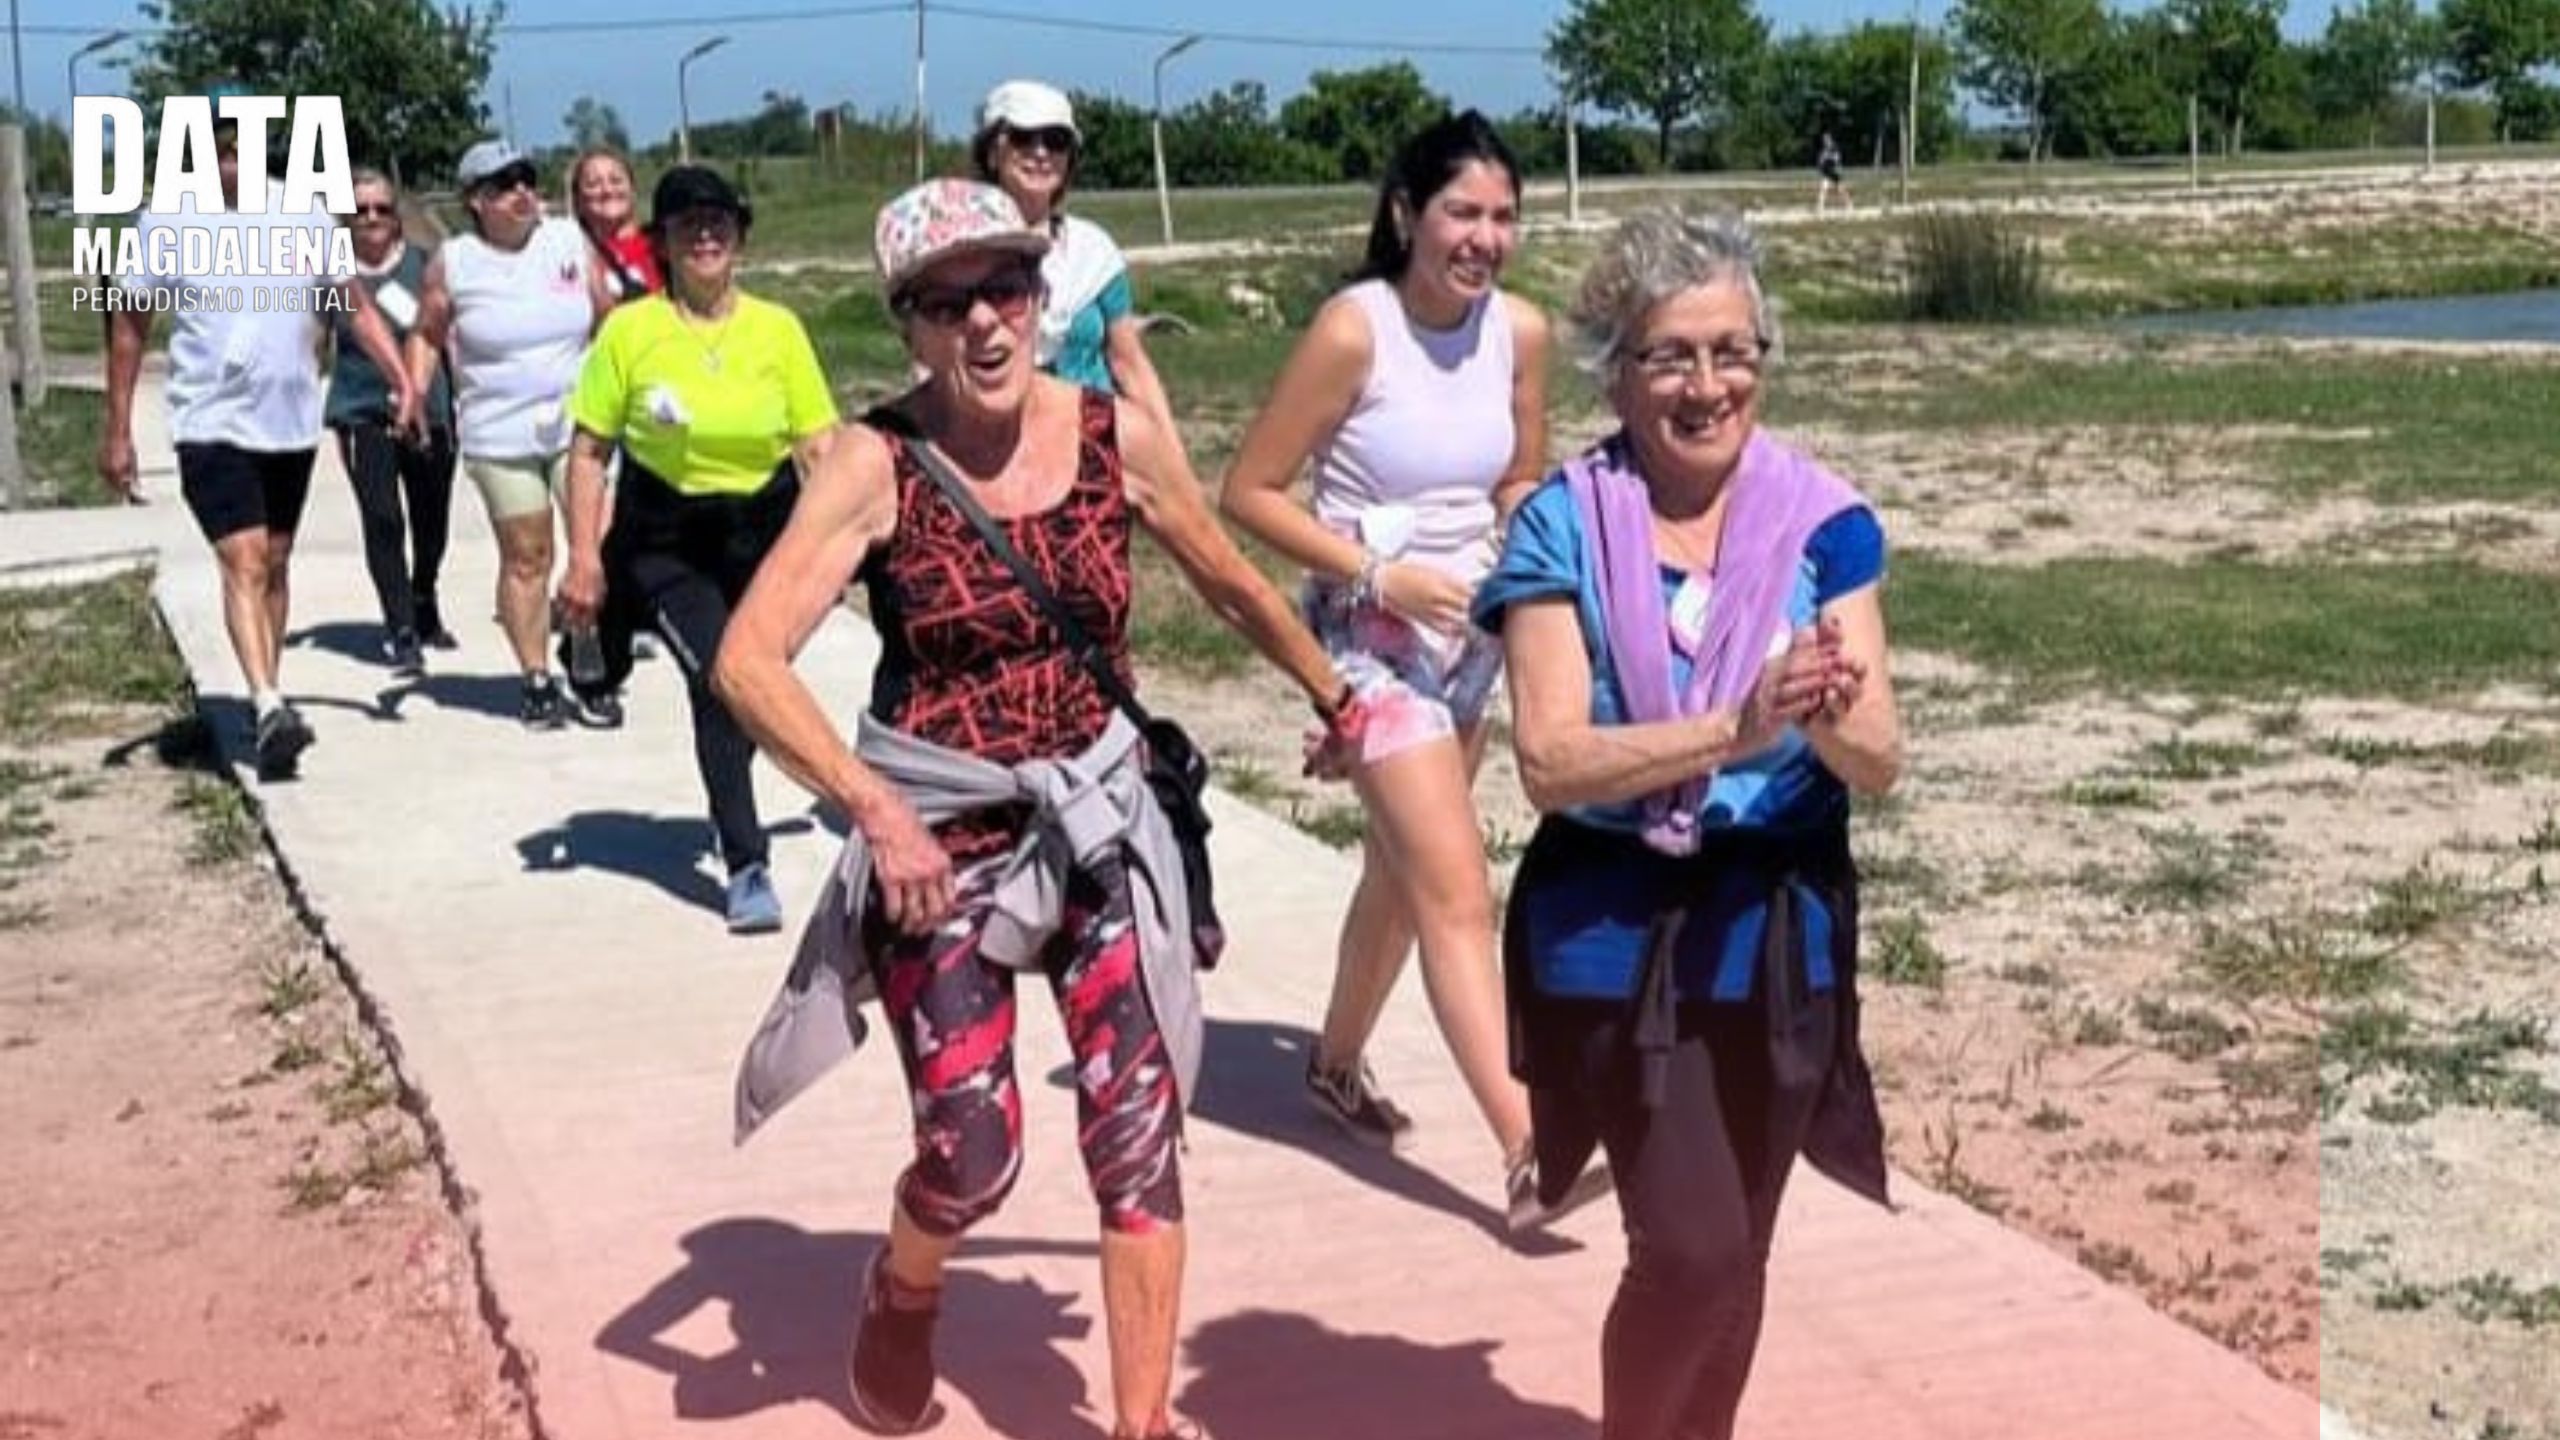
1008 292
1051 139
518 176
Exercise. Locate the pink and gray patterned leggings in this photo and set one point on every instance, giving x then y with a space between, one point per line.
951 1013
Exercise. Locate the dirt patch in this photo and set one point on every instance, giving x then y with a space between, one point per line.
222 1223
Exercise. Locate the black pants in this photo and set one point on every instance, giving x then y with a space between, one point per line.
1699 1179
679 564
402 551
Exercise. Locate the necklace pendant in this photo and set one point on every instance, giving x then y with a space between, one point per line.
711 362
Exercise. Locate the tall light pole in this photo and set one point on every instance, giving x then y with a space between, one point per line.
920 120
1164 192
18 60
1911 111
110 39
684 102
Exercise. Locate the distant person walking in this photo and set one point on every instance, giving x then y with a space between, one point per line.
1826 165
403 479
718 404
245 408
1028 144
604 202
1419 397
1699 681
516 300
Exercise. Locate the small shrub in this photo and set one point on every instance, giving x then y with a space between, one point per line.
1971 269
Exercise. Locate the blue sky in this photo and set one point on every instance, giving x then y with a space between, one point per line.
868 60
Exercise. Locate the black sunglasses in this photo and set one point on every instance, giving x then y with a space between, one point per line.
514 177
367 212
1008 292
1054 139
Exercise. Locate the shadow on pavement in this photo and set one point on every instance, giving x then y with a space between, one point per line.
662 850
357 640
1253 1081
790 1297
1263 1375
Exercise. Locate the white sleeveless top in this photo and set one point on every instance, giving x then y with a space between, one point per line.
1431 433
521 319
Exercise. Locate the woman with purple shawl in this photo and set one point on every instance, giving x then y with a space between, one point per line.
1690 618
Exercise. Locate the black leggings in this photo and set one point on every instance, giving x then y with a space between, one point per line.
1699 1179
679 564
402 553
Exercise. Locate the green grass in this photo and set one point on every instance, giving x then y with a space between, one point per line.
2233 629
73 657
1900 952
2401 429
2475 1062
59 446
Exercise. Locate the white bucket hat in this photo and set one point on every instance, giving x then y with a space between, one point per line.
1027 105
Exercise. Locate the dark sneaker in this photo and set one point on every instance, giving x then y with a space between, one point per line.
753 907
431 631
892 1365
1524 1211
282 737
599 711
402 654
545 707
1350 1099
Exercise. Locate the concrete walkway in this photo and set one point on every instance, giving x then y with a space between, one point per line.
534 917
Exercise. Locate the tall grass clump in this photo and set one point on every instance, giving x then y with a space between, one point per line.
1971 268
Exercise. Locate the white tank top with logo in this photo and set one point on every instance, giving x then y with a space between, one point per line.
521 319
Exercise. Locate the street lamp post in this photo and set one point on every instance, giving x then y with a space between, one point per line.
1911 112
684 103
106 41
1164 193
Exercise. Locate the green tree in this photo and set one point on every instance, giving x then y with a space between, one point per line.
1227 138
1666 60
2129 95
2235 52
2497 45
2371 52
2019 53
1117 152
409 74
1361 117
591 122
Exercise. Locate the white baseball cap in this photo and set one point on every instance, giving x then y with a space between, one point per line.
486 159
1027 105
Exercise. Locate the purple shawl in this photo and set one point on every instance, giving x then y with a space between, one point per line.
1779 497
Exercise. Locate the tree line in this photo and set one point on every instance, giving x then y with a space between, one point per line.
1654 85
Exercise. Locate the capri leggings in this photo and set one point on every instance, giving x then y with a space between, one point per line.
952 1012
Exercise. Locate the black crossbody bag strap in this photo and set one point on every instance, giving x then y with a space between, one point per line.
1087 653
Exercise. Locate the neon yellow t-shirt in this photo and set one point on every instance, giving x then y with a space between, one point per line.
709 408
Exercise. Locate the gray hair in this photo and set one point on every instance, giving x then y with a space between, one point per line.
367 175
1654 255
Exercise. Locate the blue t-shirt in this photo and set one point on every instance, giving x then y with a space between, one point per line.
1083 356
1592 938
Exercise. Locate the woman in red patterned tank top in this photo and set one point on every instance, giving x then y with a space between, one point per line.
972 667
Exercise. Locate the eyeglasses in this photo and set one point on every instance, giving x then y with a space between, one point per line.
1053 139
705 225
1007 292
375 212
507 181
1677 362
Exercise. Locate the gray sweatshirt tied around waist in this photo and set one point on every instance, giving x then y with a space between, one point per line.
1084 807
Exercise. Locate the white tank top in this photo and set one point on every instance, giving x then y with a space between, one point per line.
1431 434
520 324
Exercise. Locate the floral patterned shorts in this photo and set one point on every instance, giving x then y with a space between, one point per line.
1418 685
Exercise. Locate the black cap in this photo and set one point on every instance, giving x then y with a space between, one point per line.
696 187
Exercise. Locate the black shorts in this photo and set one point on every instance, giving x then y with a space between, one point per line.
229 489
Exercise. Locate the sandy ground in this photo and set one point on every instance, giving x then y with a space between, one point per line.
222 1225
2109 888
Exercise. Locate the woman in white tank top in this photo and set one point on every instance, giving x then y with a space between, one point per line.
1419 397
514 303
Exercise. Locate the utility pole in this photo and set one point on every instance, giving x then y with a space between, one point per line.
1911 113
920 123
1164 192
1572 163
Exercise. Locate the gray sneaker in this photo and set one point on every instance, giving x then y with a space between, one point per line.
1524 1211
753 907
1350 1099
